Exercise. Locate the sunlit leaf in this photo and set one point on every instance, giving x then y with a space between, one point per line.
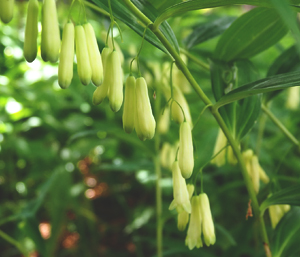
250 34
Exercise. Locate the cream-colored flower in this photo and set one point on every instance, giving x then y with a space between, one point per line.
276 213
183 216
293 98
186 151
193 238
180 191
129 105
207 221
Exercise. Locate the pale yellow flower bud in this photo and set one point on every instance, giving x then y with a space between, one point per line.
164 122
144 121
115 92
182 220
180 191
101 92
179 79
207 221
94 55
66 58
193 238
221 142
186 151
177 114
164 155
276 213
263 176
50 42
31 31
129 105
7 10
83 63
293 98
255 172
223 155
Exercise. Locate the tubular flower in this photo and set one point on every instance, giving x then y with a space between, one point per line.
254 169
164 122
7 10
177 114
94 55
129 105
180 191
183 216
101 92
293 99
207 221
82 55
179 79
144 120
65 66
186 154
276 212
193 237
225 154
31 31
115 92
50 32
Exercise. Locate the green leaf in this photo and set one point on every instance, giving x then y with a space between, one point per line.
241 116
221 81
121 12
248 109
288 195
289 17
287 234
269 84
187 6
206 31
250 34
286 62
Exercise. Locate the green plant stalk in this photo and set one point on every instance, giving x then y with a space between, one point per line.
181 65
96 8
278 123
13 242
202 64
159 221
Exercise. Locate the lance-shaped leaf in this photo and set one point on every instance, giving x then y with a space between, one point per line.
121 12
269 84
206 31
287 234
286 62
288 195
181 8
250 34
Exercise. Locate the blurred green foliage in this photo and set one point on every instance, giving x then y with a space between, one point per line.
67 165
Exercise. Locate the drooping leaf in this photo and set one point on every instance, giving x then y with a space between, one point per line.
269 84
206 31
288 195
250 34
286 235
286 62
121 12
187 6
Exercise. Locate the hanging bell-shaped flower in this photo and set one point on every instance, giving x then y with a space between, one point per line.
82 55
31 31
94 55
129 105
186 152
66 58
144 120
50 32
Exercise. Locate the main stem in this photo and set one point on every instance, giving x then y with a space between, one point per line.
181 65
